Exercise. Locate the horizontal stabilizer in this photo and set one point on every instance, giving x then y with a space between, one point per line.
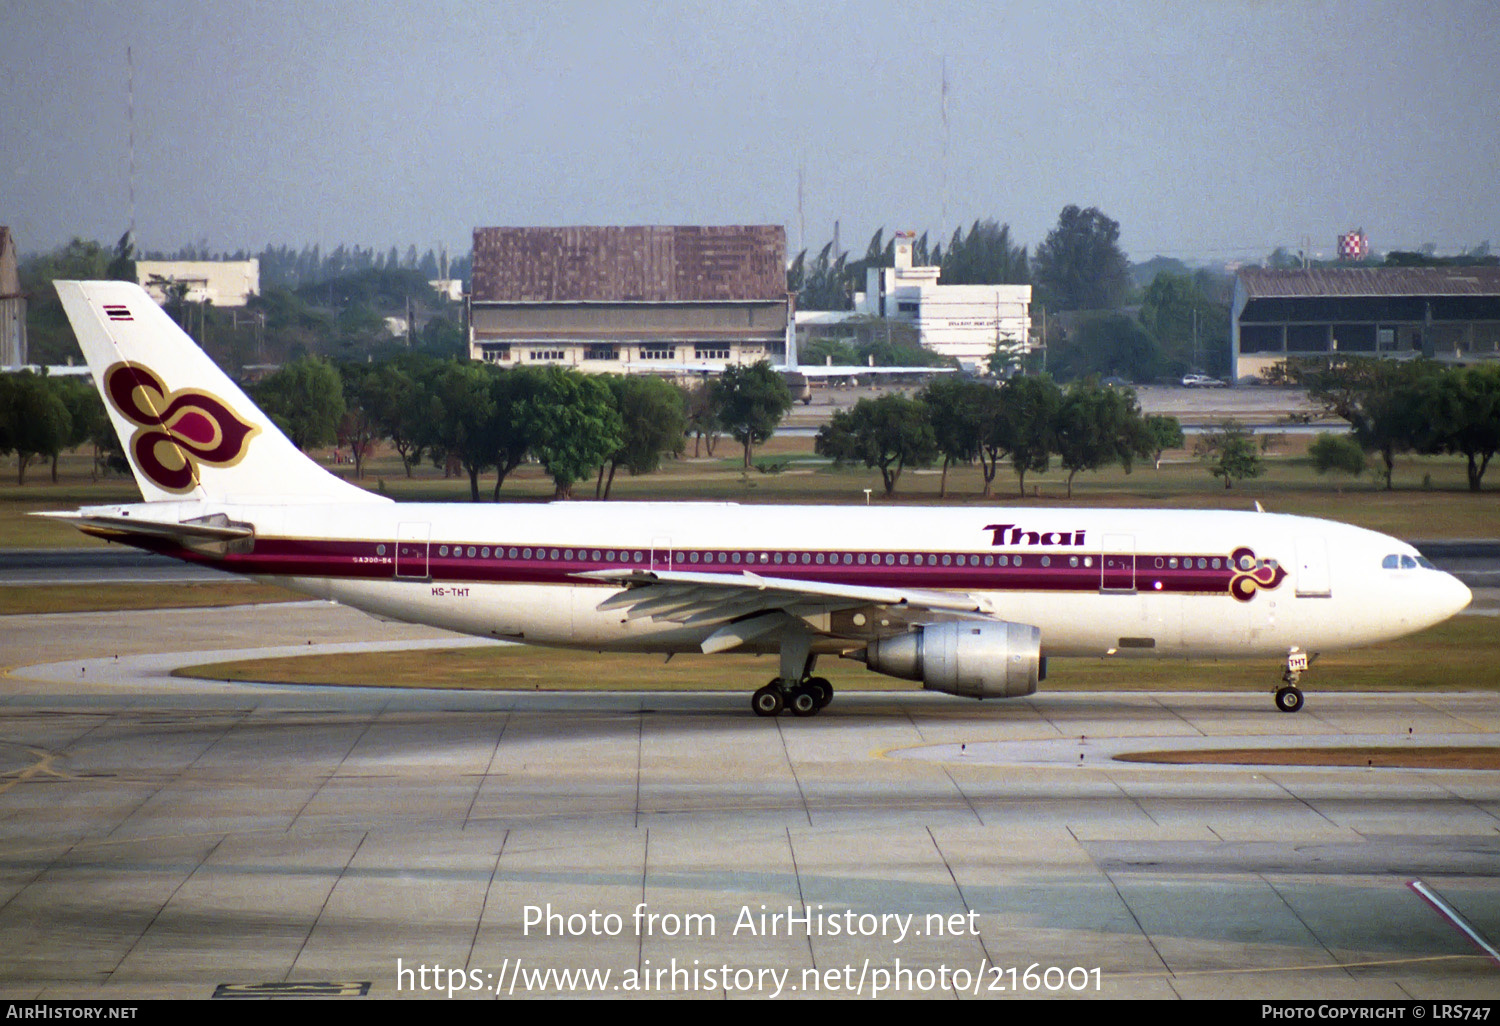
207 534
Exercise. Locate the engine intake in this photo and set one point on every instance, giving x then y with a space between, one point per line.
975 660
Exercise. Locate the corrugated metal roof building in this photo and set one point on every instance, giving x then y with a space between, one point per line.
1446 313
621 299
12 305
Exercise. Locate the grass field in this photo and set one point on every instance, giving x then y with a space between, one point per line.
1462 654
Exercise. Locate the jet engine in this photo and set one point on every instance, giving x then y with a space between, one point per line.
975 660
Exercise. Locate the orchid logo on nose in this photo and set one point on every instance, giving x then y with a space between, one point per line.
176 430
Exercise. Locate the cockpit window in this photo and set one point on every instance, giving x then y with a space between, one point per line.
1396 561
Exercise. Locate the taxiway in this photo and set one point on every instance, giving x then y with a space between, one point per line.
167 837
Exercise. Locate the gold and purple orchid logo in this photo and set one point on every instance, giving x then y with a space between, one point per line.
1252 575
176 430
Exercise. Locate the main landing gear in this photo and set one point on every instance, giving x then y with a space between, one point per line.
1289 696
796 689
802 698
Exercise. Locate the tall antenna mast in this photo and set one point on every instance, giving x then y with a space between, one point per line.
130 132
943 101
801 221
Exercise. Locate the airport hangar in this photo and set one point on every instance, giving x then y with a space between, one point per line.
1445 313
631 299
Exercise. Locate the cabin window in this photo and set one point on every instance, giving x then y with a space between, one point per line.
639 556
553 554
1046 561
594 555
848 559
1172 563
1072 560
609 555
989 560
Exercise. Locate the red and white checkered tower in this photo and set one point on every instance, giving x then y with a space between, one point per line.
1354 245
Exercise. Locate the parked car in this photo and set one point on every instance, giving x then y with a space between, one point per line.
1201 381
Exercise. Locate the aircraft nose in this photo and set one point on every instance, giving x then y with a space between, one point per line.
1456 596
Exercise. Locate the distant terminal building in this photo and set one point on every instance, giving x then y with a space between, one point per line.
648 299
1445 313
966 322
223 283
12 305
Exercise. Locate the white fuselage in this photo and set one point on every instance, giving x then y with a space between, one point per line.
1141 583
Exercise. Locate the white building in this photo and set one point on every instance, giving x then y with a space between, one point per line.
220 282
962 321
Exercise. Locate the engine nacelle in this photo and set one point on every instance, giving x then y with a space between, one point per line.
975 660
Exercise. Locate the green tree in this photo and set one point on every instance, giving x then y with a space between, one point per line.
1027 424
34 420
84 407
359 428
1097 427
653 419
1176 311
1230 453
986 256
1080 265
1161 433
49 335
1380 399
751 400
306 400
1107 344
395 395
891 432
703 416
1461 407
1337 454
122 266
512 432
574 426
461 418
960 410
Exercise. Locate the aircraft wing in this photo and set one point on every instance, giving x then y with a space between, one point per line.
747 605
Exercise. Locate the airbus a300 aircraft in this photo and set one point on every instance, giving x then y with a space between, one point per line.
968 601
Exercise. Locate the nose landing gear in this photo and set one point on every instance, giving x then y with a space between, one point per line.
1289 696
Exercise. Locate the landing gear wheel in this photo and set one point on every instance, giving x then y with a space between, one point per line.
767 701
1288 699
805 701
824 689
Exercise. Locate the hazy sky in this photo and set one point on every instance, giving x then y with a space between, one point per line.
1209 130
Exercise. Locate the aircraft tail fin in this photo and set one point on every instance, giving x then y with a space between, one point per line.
188 431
